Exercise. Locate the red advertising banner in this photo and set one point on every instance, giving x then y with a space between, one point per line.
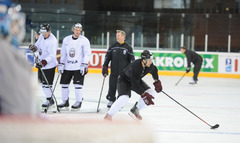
97 59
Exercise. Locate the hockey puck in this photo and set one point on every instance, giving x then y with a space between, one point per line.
54 111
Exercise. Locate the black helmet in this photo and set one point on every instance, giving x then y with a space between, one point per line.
146 55
45 27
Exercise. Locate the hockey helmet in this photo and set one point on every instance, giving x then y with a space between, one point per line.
146 55
45 27
12 21
76 25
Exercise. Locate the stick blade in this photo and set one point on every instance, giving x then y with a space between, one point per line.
215 126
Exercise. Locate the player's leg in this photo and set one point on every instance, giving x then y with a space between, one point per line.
49 73
196 70
111 96
135 110
78 82
124 91
65 81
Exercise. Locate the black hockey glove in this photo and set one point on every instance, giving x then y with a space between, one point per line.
187 69
105 71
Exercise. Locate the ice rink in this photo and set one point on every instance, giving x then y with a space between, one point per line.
215 100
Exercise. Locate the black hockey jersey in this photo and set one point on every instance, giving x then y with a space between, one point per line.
192 57
120 56
134 73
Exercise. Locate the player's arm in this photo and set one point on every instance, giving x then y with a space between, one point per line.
130 54
157 83
108 58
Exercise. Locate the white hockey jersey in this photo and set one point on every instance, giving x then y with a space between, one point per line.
74 52
47 50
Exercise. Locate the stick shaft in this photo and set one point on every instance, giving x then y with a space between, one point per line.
181 78
186 109
101 93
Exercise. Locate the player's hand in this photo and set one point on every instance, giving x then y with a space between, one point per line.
158 86
84 69
41 64
187 69
105 71
60 68
32 48
147 98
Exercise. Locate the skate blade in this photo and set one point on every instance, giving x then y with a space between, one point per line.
51 108
64 109
133 116
73 109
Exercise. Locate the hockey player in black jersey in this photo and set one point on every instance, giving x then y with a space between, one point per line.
131 79
120 54
196 59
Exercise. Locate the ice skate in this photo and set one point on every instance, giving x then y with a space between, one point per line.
134 112
193 81
108 118
110 104
48 105
64 106
76 106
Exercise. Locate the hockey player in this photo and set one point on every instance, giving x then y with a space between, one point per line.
46 49
121 55
196 59
37 34
75 55
131 79
16 89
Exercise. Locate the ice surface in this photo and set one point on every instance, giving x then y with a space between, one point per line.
215 100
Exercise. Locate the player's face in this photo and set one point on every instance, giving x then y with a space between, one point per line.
148 62
76 32
182 50
46 34
120 38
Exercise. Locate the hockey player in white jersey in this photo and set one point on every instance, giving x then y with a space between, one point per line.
46 49
75 55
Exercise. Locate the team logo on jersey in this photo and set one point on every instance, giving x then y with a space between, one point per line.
124 52
40 52
72 52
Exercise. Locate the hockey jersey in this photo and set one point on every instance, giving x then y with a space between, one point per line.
75 52
47 50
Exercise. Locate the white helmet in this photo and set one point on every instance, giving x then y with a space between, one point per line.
77 25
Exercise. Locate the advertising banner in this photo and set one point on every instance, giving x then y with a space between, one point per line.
171 61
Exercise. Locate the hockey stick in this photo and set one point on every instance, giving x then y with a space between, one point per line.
100 94
180 79
212 127
45 78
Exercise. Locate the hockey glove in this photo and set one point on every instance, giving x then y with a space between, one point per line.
32 48
105 71
158 86
84 69
60 68
147 98
187 69
41 64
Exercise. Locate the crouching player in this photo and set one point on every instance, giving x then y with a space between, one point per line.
131 79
